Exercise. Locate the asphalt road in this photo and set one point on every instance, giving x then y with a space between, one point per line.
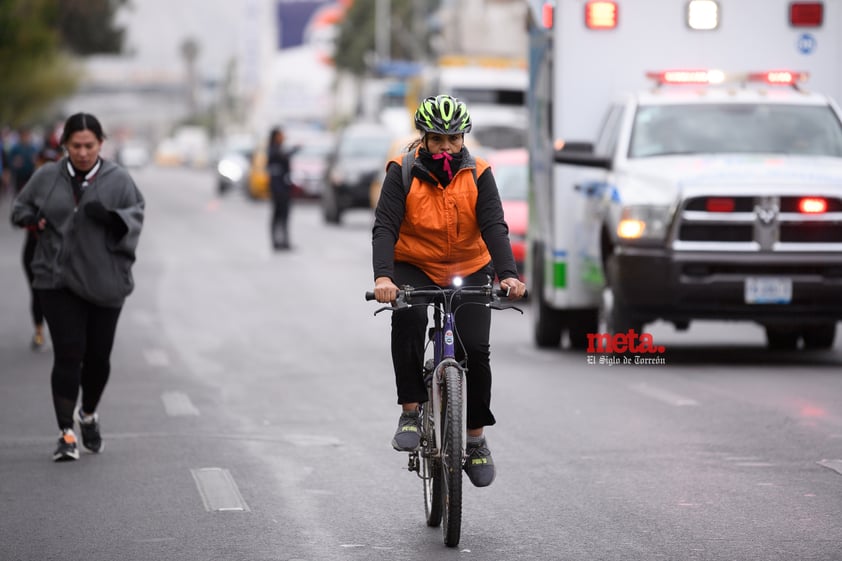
251 406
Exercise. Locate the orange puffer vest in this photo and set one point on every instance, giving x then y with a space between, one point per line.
440 233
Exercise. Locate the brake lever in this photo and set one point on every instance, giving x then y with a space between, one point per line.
399 304
497 306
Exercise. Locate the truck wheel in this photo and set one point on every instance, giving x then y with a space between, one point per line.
819 336
614 314
547 322
330 207
582 323
781 338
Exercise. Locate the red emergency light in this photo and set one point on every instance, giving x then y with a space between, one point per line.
720 204
686 76
601 14
778 77
812 205
806 14
547 15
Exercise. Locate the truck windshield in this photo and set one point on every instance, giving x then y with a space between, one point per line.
741 128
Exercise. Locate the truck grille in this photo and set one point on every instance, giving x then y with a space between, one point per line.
755 224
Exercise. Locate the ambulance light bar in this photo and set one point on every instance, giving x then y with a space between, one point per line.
712 77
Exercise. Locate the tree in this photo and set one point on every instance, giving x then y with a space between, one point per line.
87 26
39 40
34 71
409 36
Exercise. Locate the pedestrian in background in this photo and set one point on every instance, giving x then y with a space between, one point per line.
50 152
88 213
23 159
280 187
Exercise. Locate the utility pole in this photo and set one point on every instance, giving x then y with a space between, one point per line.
383 30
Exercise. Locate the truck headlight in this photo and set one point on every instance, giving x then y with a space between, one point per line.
645 223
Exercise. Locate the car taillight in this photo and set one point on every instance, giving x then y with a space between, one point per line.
601 15
812 205
806 14
720 204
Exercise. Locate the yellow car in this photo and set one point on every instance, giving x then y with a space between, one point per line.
258 182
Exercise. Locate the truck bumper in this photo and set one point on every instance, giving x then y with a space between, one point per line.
681 286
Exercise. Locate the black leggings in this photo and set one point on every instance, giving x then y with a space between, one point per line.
279 225
83 336
409 332
28 252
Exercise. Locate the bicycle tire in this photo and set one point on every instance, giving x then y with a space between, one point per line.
431 474
451 456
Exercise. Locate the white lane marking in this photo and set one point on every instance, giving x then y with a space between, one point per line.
218 490
178 404
835 465
156 357
664 396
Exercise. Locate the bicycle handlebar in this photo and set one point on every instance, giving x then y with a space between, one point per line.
494 294
472 291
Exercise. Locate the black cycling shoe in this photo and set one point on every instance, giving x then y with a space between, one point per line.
408 436
479 465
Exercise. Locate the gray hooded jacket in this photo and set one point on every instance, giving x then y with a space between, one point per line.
74 251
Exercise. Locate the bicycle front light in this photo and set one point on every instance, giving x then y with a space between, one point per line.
456 282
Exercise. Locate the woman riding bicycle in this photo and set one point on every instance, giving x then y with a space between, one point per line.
449 223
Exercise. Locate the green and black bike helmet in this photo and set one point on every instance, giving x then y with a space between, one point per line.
443 114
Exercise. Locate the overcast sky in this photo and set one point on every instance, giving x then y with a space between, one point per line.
155 30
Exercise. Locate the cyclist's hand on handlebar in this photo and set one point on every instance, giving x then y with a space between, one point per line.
385 290
514 288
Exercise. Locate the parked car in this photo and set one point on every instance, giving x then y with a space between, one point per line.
234 163
510 169
133 153
360 152
307 166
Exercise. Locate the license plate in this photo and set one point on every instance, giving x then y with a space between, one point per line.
766 290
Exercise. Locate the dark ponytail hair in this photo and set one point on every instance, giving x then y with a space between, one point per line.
82 122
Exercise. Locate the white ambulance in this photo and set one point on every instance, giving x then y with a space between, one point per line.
685 164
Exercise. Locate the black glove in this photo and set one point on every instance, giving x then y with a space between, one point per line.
29 222
97 212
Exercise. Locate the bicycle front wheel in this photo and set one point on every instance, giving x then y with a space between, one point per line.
431 473
451 455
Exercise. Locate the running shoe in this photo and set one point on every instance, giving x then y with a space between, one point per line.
67 450
89 427
408 436
479 465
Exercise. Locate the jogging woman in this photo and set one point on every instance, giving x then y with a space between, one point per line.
88 213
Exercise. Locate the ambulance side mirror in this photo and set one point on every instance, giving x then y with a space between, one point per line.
581 154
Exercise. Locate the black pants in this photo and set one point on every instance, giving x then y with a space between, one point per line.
279 226
28 252
409 332
83 336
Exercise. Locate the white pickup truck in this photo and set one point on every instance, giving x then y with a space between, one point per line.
719 203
